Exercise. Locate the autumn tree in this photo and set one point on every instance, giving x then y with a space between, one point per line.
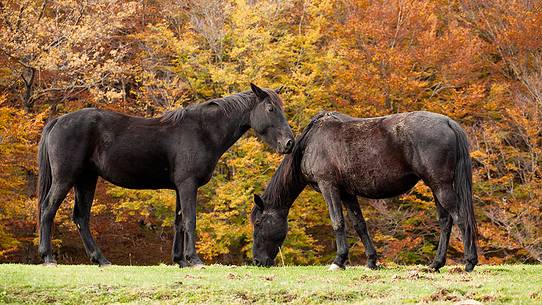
57 50
475 61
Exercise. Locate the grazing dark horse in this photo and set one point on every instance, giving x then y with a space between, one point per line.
177 151
344 157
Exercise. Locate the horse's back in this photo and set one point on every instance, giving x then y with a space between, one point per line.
87 127
416 124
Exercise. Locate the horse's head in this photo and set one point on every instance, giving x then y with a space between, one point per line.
270 228
267 119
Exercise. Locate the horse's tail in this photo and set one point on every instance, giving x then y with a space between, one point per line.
463 186
45 177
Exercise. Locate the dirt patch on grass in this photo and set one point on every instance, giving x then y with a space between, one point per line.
278 296
236 276
456 270
246 297
368 278
268 277
468 302
411 275
494 270
284 297
536 295
17 296
465 277
192 277
487 298
424 269
232 276
442 294
335 296
149 294
72 295
416 275
484 298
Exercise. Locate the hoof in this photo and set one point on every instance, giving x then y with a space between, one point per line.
183 264
435 267
198 266
195 262
105 264
469 267
49 261
372 265
335 267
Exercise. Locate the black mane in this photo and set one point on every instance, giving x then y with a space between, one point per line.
288 177
237 102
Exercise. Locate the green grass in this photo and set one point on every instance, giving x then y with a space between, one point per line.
510 284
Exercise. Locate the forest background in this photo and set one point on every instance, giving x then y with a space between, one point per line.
479 62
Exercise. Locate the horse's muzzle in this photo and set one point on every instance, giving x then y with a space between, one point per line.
268 262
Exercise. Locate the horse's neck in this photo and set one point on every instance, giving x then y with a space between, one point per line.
286 185
227 128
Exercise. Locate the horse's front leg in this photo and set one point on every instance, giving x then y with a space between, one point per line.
178 237
333 199
187 191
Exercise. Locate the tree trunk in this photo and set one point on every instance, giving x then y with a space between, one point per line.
28 78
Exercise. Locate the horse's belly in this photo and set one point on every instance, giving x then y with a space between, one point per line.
383 186
138 181
129 171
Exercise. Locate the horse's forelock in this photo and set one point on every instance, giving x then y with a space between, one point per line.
275 97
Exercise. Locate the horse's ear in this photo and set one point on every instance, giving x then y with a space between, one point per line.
260 93
258 202
279 89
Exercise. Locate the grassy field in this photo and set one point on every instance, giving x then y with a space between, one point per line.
511 284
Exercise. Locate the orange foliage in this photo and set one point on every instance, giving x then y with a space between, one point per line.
475 61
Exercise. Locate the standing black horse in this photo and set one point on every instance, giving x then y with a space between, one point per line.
344 157
176 151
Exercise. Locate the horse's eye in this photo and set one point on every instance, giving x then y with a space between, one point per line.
269 107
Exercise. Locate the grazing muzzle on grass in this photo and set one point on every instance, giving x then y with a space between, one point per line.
270 229
266 262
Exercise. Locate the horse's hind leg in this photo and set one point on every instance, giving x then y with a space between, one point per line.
445 223
187 192
448 199
355 214
333 199
84 194
55 196
178 237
